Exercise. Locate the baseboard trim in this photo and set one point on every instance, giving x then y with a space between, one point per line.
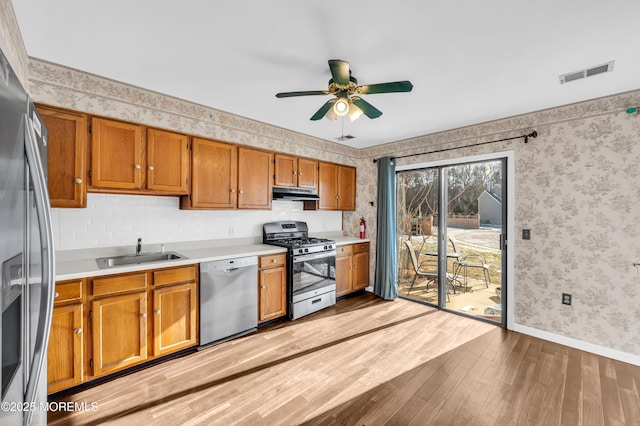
578 344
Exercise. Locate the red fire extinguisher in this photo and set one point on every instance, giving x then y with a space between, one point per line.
363 227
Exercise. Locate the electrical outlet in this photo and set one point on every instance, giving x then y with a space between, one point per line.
526 234
566 299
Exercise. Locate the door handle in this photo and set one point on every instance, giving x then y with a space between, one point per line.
43 211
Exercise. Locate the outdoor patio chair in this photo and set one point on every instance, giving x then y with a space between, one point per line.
472 261
420 271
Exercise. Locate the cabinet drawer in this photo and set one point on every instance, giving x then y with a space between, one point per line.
174 276
272 261
68 291
361 247
119 284
344 250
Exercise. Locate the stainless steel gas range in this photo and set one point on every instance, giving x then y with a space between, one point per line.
311 266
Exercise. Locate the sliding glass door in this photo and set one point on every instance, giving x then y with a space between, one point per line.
451 225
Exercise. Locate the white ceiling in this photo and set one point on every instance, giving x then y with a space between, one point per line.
470 61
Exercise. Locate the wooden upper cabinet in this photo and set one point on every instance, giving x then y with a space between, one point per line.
67 157
307 173
296 172
167 161
337 187
214 175
328 186
255 172
346 188
116 154
286 170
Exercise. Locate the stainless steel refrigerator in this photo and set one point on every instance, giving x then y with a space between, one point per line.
26 255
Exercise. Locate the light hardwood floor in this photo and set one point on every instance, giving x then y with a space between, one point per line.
371 362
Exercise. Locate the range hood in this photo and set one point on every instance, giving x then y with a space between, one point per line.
295 194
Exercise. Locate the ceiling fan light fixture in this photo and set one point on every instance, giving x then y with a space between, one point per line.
354 111
341 107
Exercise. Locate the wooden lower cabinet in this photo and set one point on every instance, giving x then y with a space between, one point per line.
119 327
105 324
272 291
66 346
352 268
174 318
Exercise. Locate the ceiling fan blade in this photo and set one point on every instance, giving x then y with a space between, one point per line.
323 110
339 72
304 93
396 86
367 109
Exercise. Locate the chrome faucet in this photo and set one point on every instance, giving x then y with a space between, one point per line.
139 247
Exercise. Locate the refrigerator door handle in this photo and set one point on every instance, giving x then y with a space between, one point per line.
43 211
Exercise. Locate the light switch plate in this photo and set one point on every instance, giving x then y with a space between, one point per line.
526 234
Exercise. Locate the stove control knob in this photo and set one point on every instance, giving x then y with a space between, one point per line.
306 250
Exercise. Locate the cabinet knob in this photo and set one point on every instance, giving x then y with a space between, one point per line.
241 191
263 286
157 311
78 181
56 295
337 197
294 172
300 173
233 190
274 260
151 168
78 330
137 166
143 315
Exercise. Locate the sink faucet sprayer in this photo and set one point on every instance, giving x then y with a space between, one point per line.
139 247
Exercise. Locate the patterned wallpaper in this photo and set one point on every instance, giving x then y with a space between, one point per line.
11 42
576 189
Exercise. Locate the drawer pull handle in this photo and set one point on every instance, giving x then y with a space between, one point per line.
78 330
316 301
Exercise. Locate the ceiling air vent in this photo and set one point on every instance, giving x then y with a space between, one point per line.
345 137
589 72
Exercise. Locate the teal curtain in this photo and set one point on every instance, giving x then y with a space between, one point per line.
386 281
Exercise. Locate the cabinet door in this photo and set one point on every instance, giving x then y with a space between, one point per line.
65 350
214 175
286 171
328 186
307 173
167 161
119 332
360 270
116 155
273 294
343 275
347 188
66 157
174 318
255 174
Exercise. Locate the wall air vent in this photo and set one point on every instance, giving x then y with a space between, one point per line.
589 72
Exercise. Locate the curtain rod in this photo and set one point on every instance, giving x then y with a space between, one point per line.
533 134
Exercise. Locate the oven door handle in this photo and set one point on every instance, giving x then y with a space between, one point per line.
314 256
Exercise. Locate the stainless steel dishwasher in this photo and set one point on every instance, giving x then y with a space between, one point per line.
228 298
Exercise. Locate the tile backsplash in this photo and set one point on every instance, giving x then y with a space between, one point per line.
117 220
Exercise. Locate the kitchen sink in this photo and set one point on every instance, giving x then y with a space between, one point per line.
132 259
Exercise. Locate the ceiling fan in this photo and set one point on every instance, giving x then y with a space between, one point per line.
346 90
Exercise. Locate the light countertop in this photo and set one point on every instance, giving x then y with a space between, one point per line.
75 264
